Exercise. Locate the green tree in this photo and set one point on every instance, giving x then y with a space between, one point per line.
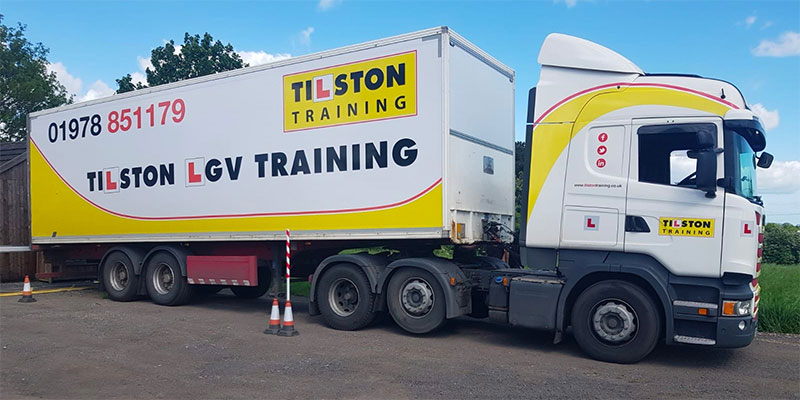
782 244
196 57
25 84
126 84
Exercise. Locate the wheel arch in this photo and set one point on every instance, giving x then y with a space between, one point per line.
135 254
646 276
371 265
178 252
442 269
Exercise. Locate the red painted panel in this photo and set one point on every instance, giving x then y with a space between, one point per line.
222 270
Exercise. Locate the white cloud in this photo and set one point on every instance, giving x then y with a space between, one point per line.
769 118
144 63
766 25
749 21
325 5
782 177
138 77
72 83
305 35
568 3
788 44
261 57
97 90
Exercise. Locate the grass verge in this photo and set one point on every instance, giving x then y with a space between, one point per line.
779 307
301 288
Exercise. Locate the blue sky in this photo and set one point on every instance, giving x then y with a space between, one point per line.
755 45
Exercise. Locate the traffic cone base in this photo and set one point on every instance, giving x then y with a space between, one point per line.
288 322
27 294
274 319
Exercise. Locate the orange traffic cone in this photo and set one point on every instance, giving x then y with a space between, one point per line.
274 319
288 322
27 294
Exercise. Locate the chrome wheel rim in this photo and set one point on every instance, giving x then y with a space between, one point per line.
343 297
163 278
416 296
614 321
119 276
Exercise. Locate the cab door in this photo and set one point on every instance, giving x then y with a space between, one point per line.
667 217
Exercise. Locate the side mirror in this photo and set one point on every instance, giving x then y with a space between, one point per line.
706 179
765 160
706 139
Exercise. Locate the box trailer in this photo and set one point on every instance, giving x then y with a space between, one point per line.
407 137
639 224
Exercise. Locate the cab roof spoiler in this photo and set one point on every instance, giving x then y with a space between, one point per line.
566 51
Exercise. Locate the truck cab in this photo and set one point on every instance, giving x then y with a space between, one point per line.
642 188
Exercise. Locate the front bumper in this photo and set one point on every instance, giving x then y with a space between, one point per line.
728 332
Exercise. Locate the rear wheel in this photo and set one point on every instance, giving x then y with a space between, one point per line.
416 300
616 321
345 298
119 279
165 283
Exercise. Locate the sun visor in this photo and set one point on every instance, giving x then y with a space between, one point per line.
747 124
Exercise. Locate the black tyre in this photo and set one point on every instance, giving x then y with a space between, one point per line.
249 292
254 292
345 298
416 300
165 283
616 321
119 278
207 290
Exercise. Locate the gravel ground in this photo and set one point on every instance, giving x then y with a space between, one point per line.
81 345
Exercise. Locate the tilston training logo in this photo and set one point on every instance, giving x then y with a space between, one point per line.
695 227
361 91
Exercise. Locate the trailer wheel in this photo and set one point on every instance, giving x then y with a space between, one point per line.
249 292
118 276
416 301
165 284
207 290
254 292
345 298
616 321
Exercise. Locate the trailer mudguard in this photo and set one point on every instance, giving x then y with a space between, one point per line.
136 255
457 297
372 265
178 252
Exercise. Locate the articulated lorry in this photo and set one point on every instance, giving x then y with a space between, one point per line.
640 221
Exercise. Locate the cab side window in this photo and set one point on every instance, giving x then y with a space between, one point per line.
665 153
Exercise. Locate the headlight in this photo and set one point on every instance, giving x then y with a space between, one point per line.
736 308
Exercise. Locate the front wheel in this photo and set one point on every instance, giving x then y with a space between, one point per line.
165 283
616 321
416 301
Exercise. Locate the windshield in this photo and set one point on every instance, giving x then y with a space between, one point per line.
744 179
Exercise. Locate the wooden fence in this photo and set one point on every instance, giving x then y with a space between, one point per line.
14 214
